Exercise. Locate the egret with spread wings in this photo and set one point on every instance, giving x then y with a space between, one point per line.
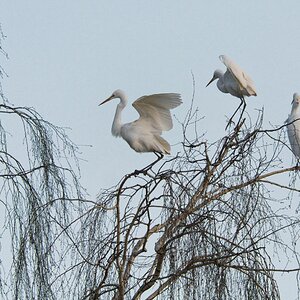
144 134
234 81
293 127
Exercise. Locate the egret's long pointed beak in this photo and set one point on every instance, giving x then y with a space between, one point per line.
109 98
211 81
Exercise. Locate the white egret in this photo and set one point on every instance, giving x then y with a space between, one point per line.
234 81
293 127
144 134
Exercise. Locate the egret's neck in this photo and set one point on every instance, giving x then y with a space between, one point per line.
221 85
117 123
295 114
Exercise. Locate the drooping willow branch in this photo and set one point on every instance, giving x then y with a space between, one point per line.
38 176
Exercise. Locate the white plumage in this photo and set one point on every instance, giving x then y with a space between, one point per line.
234 81
293 129
144 134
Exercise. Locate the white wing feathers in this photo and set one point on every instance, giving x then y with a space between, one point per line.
155 109
242 78
293 131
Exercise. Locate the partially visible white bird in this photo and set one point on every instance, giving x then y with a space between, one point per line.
144 134
293 127
234 81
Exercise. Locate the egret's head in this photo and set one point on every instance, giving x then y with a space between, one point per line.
296 100
217 74
116 94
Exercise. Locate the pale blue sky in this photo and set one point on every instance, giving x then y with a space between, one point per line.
67 56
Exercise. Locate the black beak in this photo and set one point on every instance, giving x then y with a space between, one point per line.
210 81
109 98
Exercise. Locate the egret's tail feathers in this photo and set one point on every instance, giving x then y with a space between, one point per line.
164 146
251 91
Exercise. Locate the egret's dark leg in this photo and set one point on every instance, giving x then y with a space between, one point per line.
243 109
147 168
243 102
159 155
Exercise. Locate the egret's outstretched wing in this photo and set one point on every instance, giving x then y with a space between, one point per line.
242 78
155 109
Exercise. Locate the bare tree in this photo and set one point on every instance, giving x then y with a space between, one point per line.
205 224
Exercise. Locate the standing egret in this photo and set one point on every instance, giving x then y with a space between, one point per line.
293 127
234 81
144 134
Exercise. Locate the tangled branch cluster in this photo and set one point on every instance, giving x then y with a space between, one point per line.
201 225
